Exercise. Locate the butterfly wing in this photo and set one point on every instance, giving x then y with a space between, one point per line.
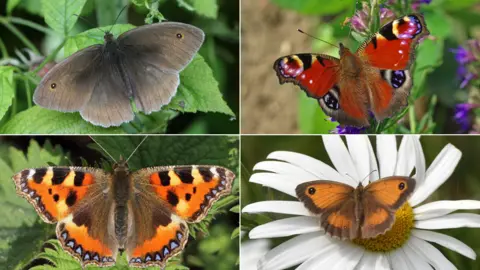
74 197
153 56
89 82
171 196
335 204
380 201
317 75
391 52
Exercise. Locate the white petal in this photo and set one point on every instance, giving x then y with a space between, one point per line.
251 252
450 221
341 159
398 261
280 182
419 162
405 157
417 261
286 227
282 168
441 208
352 254
281 207
373 164
438 172
312 165
324 257
377 261
358 146
387 154
433 255
294 251
446 241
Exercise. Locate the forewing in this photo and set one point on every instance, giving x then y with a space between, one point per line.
153 56
78 199
394 45
67 87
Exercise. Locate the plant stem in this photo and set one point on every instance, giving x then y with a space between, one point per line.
20 35
413 123
50 57
28 23
3 49
29 93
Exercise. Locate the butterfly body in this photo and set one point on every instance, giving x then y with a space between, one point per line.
374 79
141 66
362 212
144 213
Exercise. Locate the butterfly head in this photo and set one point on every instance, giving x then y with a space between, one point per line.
121 165
108 37
350 63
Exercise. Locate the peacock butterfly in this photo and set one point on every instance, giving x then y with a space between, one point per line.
375 78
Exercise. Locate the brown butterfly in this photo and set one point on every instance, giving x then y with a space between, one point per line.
362 212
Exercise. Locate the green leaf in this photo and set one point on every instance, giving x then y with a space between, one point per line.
107 12
60 14
37 120
7 89
207 8
311 118
32 6
198 90
21 231
317 7
11 4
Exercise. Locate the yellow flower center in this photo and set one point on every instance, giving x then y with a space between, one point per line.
393 238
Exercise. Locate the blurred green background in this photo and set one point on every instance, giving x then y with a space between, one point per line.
211 101
271 32
464 184
26 241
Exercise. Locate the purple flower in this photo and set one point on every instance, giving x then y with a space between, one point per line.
462 55
466 79
416 4
463 115
348 130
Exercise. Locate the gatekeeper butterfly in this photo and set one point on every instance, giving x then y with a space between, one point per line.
362 212
375 78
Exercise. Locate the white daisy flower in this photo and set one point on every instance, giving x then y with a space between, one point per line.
251 251
407 245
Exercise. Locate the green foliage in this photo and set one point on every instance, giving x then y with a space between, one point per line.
200 88
435 88
24 236
7 89
21 230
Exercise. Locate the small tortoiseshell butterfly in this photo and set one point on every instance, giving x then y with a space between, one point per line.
375 78
143 213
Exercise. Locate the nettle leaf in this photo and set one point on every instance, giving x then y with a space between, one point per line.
317 7
60 14
7 89
21 231
38 120
11 4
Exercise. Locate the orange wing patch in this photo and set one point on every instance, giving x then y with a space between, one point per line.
377 221
321 196
167 242
88 250
391 192
191 190
53 190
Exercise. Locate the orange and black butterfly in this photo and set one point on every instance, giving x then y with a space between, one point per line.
362 212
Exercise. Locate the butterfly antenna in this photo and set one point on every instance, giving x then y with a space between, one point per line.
301 31
118 16
103 149
88 22
136 148
368 175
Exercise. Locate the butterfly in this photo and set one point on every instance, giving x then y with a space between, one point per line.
363 212
375 78
101 81
143 213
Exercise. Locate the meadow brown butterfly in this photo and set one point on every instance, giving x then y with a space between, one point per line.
362 212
